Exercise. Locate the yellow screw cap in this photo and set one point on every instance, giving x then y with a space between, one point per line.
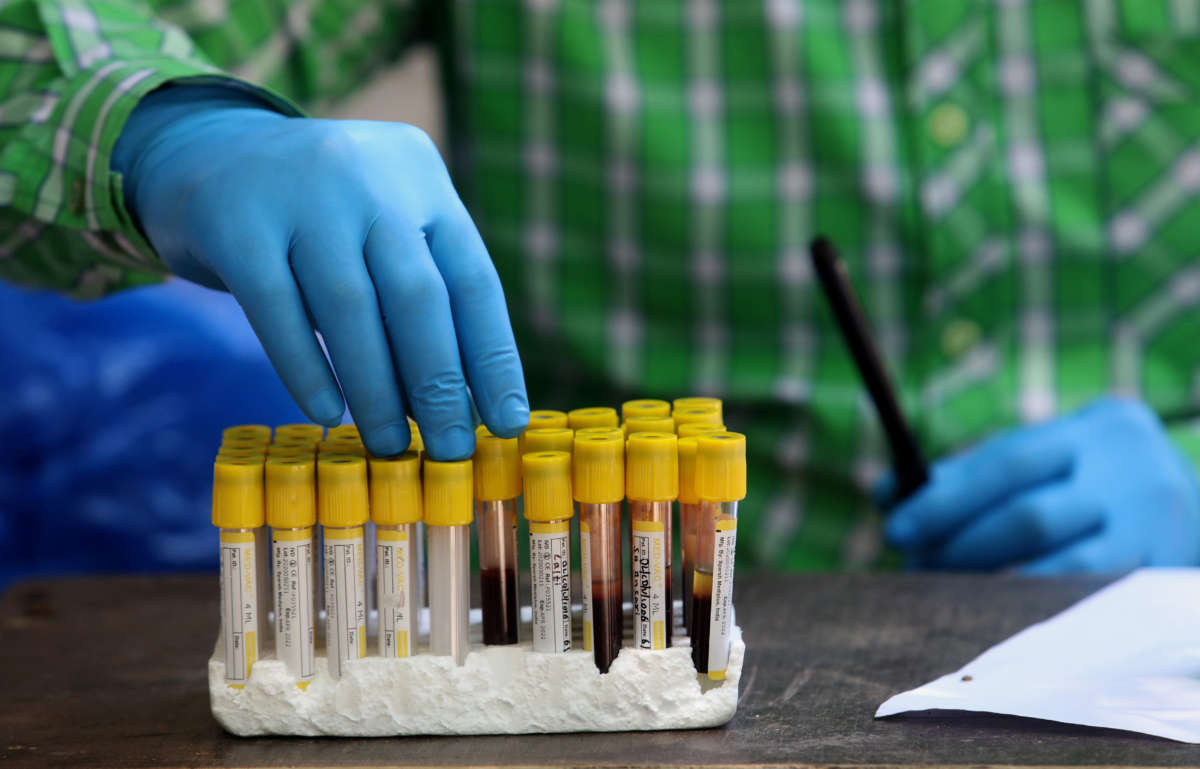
244 444
292 450
721 467
342 491
662 424
396 489
693 429
598 467
547 418
342 431
547 486
344 446
260 433
305 430
696 401
547 439
652 466
687 471
691 415
448 493
497 467
237 501
417 443
291 492
645 407
241 453
596 416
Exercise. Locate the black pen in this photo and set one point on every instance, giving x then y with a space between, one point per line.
907 459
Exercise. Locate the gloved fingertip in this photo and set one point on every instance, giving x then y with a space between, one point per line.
512 417
900 531
450 444
883 492
387 441
326 407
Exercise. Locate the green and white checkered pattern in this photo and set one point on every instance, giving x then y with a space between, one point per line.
1013 183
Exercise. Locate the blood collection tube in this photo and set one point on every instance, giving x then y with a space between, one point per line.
548 508
241 452
497 486
448 517
260 433
541 418
291 494
696 401
648 425
598 483
689 506
643 408
721 484
341 446
237 510
594 416
342 511
395 511
306 430
416 442
344 431
547 439
651 483
697 414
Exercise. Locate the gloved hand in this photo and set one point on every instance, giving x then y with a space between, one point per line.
1100 490
349 227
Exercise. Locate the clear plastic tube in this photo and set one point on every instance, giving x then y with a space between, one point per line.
650 548
600 552
712 587
345 596
397 589
292 559
240 616
449 590
496 522
550 585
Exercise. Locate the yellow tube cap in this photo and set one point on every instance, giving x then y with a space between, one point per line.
237 501
344 431
721 467
343 446
643 408
260 433
448 493
497 467
663 424
305 430
291 492
596 416
652 466
256 453
416 442
244 444
693 429
598 467
547 439
342 490
687 471
696 401
396 489
547 486
694 414
542 418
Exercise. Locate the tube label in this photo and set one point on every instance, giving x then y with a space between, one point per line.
720 621
345 598
239 605
585 566
550 564
292 554
396 630
649 585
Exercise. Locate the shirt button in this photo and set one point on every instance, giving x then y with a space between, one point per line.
959 336
948 124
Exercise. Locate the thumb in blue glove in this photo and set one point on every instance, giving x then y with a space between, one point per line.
1101 490
352 228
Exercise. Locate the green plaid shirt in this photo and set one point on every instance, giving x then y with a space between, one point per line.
1013 183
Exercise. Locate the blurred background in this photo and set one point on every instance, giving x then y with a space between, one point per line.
111 411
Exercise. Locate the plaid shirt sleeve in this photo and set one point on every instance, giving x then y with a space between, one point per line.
72 71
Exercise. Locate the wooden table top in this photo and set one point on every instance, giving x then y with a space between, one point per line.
111 672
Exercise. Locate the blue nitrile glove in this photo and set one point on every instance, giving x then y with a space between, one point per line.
1100 490
349 227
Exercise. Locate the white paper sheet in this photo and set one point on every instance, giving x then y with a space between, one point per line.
1126 657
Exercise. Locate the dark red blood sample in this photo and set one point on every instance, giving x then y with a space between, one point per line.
687 598
607 623
701 612
499 589
670 608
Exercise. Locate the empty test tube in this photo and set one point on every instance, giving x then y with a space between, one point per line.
396 510
548 508
497 486
648 425
594 416
291 513
644 408
448 514
721 484
547 439
598 483
651 483
237 510
342 511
